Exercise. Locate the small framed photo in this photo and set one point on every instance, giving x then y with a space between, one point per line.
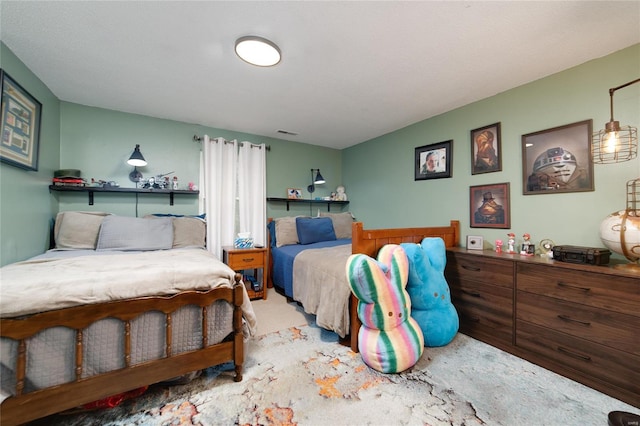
486 149
434 161
294 193
490 206
20 120
558 160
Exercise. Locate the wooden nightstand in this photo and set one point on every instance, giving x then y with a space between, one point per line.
246 259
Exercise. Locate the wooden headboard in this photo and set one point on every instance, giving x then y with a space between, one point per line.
370 241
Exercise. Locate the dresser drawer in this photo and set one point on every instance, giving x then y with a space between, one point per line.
595 365
462 268
607 328
485 312
616 293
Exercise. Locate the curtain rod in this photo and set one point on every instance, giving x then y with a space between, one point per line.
197 138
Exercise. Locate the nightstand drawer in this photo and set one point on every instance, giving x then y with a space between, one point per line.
239 261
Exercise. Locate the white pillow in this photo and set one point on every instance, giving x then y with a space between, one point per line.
135 234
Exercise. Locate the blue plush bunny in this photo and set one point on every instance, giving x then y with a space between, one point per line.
431 305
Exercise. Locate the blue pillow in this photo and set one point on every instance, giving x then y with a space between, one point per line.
314 230
271 227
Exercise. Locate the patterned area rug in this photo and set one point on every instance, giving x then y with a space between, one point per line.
303 376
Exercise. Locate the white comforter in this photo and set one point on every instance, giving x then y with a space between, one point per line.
43 284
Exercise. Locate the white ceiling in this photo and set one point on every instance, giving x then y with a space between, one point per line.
351 70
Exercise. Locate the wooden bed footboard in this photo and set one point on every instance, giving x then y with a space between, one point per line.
24 407
370 241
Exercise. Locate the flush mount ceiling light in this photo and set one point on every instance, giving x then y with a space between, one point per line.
257 51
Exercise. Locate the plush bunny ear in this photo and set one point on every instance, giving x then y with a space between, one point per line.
362 273
437 252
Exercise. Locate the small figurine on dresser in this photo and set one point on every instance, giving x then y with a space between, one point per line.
511 244
526 245
498 246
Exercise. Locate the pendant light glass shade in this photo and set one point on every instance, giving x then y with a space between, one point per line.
258 51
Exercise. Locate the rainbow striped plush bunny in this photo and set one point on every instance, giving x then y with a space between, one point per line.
389 340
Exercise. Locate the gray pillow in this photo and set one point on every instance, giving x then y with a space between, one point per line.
77 230
341 223
286 232
136 234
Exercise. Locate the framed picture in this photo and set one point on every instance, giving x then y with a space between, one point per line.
21 114
490 206
294 193
486 149
434 161
558 159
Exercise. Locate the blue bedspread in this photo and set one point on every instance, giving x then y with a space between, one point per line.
284 256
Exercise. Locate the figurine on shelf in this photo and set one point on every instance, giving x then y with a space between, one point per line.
498 246
511 244
340 194
175 182
525 244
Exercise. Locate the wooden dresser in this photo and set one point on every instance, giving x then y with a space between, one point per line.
580 321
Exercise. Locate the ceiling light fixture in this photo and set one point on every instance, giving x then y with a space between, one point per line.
615 144
258 51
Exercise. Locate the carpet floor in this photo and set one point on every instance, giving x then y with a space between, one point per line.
301 375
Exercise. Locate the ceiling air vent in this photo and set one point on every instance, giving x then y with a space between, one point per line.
286 132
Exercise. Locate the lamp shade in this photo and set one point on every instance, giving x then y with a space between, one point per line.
319 179
136 158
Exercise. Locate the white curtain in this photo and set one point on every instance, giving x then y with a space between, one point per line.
252 190
219 184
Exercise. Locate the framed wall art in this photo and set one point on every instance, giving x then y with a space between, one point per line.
21 115
294 193
486 149
558 160
434 161
490 206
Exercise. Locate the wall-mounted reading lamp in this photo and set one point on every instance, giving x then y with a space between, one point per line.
136 160
319 180
615 144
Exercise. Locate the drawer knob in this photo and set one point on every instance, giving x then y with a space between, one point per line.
574 287
569 319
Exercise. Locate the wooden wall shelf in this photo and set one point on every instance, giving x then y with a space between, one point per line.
92 189
299 200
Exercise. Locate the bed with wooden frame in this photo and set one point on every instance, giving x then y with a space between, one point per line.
369 242
197 310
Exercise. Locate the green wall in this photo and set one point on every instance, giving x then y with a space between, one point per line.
25 204
379 175
99 141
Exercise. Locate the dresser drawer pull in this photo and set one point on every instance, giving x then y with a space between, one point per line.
568 318
471 293
573 354
561 284
471 268
248 259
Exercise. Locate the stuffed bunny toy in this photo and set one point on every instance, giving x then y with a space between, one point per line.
431 305
389 340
